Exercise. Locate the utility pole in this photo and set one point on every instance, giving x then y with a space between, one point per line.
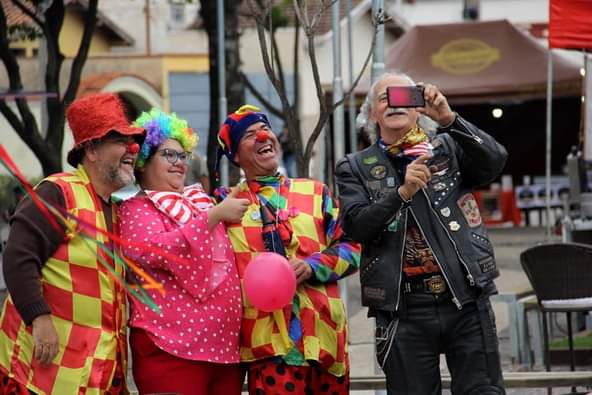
222 102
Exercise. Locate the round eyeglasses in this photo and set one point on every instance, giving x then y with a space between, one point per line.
173 156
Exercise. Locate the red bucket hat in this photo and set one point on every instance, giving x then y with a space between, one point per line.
93 117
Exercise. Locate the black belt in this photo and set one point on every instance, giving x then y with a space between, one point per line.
435 284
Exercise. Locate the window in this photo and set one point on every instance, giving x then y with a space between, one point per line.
177 13
471 10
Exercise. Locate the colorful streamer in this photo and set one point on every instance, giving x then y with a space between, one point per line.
76 225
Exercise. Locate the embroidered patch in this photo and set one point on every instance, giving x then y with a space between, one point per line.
439 166
487 264
378 172
370 160
393 226
469 208
374 293
373 184
439 187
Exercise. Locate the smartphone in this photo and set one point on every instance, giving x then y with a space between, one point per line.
405 96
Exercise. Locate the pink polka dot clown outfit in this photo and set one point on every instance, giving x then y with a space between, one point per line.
200 313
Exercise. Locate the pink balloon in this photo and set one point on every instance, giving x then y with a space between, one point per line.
269 282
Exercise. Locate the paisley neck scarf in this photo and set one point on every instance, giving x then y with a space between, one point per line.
412 145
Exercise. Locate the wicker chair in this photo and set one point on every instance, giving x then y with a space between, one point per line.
561 276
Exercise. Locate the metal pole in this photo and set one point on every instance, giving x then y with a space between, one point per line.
587 97
548 144
351 108
222 103
42 59
377 70
378 55
338 135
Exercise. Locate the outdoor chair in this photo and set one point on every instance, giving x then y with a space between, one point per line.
561 276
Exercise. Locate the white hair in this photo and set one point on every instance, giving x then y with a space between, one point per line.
363 120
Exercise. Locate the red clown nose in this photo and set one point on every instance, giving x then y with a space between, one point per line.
261 136
133 148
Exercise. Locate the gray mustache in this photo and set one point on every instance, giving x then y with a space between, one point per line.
391 111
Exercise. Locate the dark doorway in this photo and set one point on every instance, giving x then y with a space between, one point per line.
521 129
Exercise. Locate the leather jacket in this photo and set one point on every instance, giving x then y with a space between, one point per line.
446 213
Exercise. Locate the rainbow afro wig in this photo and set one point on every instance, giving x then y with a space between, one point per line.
160 126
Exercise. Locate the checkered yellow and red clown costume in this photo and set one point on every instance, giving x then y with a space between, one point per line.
87 308
318 239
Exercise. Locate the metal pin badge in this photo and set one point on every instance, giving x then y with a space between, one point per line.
439 186
454 226
445 211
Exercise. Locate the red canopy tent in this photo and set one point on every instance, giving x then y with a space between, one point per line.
479 62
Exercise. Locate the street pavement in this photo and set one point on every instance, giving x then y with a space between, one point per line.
508 244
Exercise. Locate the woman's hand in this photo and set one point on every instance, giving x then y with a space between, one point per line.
230 209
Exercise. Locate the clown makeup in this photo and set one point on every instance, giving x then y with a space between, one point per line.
257 151
161 172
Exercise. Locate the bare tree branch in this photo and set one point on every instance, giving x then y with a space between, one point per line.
359 77
7 57
277 60
315 72
317 16
268 105
269 70
258 14
12 119
90 22
296 74
302 16
15 84
325 113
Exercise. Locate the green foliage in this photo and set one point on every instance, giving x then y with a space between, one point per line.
7 195
23 31
278 18
583 341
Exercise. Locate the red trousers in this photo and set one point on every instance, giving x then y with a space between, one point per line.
156 371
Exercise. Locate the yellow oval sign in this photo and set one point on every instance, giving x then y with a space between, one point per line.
465 56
